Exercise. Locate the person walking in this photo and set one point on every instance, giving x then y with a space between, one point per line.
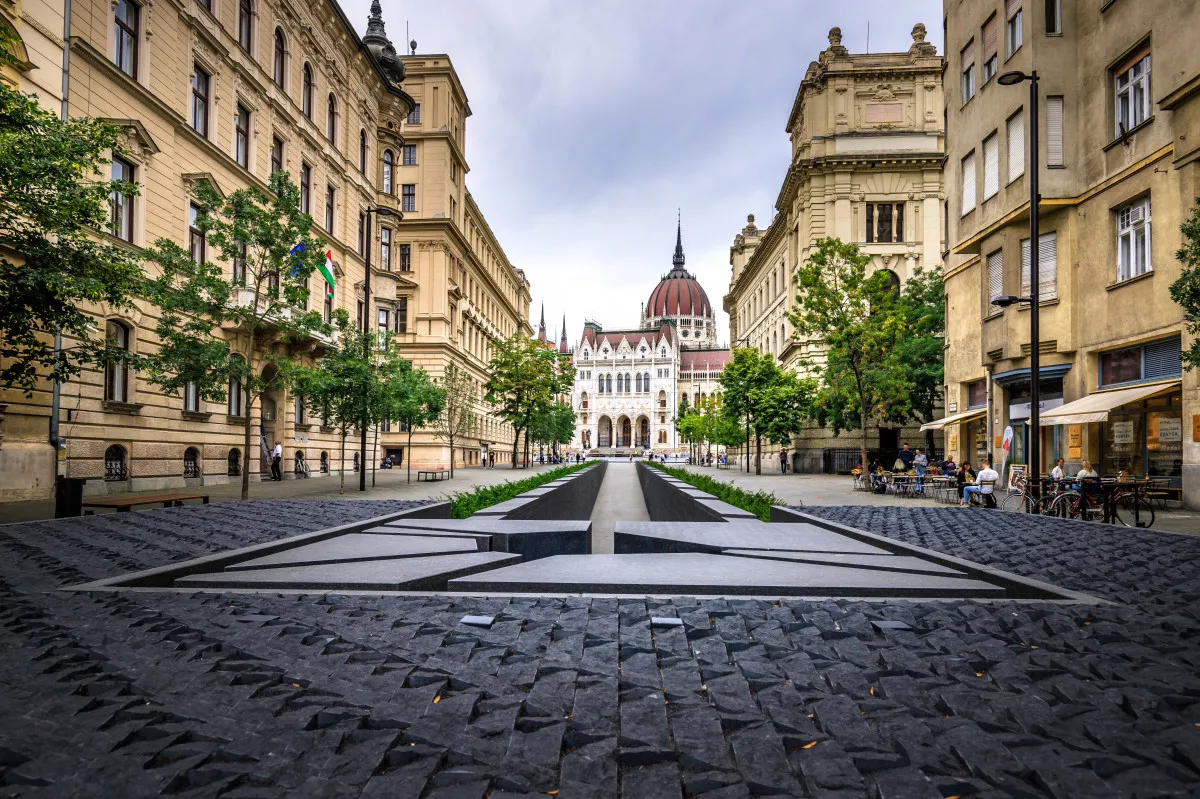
783 461
276 461
921 464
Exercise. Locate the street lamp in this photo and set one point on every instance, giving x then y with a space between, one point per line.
1035 435
366 326
745 341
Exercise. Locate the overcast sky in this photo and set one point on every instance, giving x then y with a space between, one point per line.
593 121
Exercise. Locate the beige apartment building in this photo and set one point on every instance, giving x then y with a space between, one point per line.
456 293
229 91
867 144
1119 153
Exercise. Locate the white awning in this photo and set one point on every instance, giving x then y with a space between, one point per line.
955 419
1095 407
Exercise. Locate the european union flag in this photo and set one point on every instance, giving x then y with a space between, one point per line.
297 251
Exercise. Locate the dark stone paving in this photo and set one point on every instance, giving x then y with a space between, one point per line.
141 694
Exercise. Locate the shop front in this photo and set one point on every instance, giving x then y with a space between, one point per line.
1017 393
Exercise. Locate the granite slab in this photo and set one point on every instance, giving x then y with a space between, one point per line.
397 574
714 537
902 563
694 573
365 546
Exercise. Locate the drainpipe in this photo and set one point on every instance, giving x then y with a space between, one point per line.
991 406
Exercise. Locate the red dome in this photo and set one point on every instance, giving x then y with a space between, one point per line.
678 294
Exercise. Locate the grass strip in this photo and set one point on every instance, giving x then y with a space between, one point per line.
465 503
757 502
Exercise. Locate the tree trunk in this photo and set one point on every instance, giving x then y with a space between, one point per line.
374 455
525 465
862 423
408 454
451 438
516 443
246 425
758 454
342 471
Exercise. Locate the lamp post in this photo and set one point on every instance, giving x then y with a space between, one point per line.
366 326
1035 433
745 341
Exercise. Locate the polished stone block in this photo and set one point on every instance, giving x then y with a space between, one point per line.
365 546
530 538
714 537
887 562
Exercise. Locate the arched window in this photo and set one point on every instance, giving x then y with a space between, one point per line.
191 462
301 410
306 92
233 463
362 151
116 466
236 396
608 385
628 382
245 23
685 399
331 120
583 400
116 370
388 162
324 463
893 281
280 71
646 380
638 382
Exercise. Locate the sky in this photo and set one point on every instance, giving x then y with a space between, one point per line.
595 122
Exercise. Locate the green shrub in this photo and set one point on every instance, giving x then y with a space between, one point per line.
757 502
465 503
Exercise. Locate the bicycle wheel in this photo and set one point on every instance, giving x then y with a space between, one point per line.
1014 502
1123 511
1067 505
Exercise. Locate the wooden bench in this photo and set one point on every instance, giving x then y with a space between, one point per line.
433 475
125 504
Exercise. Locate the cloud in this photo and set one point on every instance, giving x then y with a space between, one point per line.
593 121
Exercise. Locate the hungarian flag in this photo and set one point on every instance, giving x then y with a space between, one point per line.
326 270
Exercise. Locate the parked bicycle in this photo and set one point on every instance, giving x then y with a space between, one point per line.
1126 505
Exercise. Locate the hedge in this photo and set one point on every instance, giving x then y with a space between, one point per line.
465 503
757 502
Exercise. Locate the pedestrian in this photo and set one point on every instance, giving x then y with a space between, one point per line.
276 461
783 461
906 456
920 463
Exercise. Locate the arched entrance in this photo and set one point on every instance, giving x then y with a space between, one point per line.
625 437
270 425
643 434
604 434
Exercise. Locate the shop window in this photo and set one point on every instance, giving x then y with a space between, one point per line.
1158 360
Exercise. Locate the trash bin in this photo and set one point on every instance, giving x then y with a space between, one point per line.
68 496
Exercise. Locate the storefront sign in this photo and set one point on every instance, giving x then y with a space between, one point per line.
952 442
1170 430
1074 453
953 408
1020 410
1122 432
1196 427
1075 436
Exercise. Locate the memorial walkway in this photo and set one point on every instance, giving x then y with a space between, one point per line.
620 500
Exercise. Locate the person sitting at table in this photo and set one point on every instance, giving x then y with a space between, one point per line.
984 483
964 474
1086 471
949 467
1058 473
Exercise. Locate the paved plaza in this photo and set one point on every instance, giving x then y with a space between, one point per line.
139 693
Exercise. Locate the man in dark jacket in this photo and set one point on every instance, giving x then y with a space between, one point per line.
906 455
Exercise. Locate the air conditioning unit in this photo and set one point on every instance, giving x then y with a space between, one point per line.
1137 215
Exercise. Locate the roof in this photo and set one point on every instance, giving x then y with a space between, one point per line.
712 360
613 338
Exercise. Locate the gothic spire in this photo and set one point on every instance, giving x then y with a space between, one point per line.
677 260
564 330
542 324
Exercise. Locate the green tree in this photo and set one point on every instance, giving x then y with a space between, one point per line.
457 418
216 325
525 376
921 350
553 425
858 320
1186 289
771 401
416 401
54 199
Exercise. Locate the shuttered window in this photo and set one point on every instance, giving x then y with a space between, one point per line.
1047 267
968 183
1054 131
995 267
991 46
1015 131
991 166
1014 26
1163 359
967 58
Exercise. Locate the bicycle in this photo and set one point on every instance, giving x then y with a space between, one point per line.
1126 501
1019 500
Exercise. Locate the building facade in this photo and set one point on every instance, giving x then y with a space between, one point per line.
454 293
228 92
629 383
867 142
1119 113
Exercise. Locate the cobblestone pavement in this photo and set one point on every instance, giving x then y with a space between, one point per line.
259 695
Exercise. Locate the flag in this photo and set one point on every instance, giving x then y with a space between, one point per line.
326 270
297 253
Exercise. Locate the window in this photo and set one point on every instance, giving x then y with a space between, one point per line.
1132 92
327 307
120 203
1054 131
967 59
991 166
1053 17
1014 131
409 197
279 70
273 283
383 320
362 234
405 257
453 170
191 397
388 163
126 20
991 48
1013 33
245 21
191 462
196 242
200 81
410 155
241 137
305 188
1047 267
1157 360
115 464
968 183
977 394
638 382
995 278
885 222
239 264
236 398
116 369
330 202
331 120
358 317
1133 239
414 116
362 151
233 463
385 248
306 92
402 315
276 154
